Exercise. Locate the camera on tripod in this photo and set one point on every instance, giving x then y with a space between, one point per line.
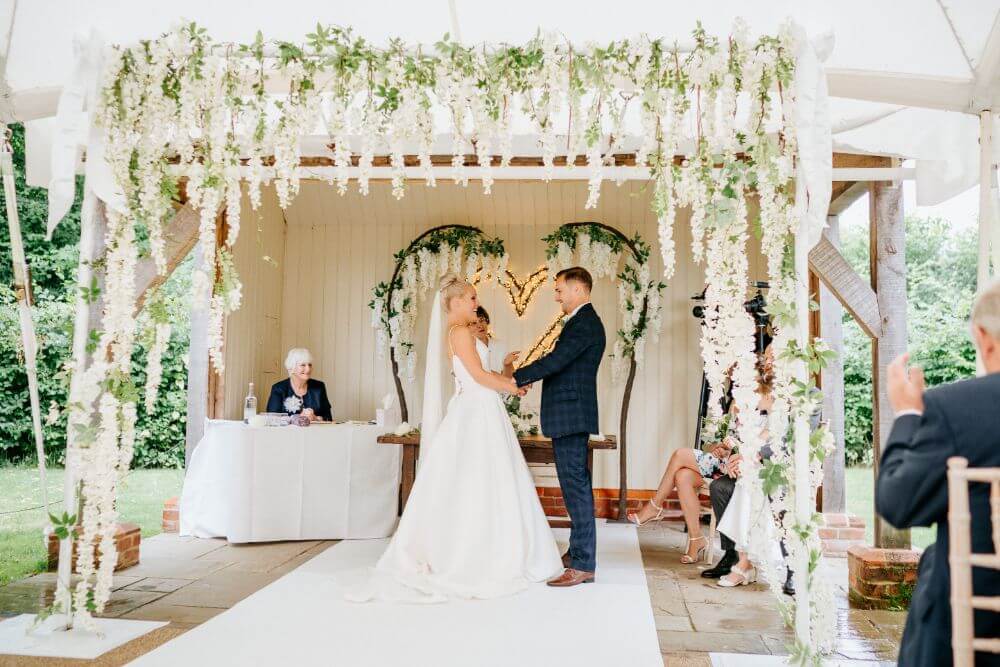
756 306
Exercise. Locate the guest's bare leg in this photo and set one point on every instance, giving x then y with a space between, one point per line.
681 458
688 482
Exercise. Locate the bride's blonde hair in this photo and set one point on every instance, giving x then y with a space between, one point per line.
451 286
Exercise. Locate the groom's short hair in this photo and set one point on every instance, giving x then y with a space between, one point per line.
579 274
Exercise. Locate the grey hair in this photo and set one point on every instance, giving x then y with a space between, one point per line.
986 309
295 356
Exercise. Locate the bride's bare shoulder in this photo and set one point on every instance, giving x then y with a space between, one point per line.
459 335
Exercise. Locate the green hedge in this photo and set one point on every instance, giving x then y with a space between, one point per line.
160 435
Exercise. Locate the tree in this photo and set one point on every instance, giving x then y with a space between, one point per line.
940 286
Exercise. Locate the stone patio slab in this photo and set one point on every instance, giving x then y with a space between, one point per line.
179 615
734 618
158 585
220 589
174 568
706 642
123 601
166 545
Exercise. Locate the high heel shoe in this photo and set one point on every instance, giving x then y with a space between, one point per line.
691 560
634 516
746 577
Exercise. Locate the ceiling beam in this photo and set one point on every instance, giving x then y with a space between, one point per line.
912 90
988 72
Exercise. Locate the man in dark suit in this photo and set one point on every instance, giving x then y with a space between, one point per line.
959 419
569 414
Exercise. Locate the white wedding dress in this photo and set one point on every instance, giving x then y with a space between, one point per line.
473 526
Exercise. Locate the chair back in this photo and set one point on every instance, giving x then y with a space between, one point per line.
963 603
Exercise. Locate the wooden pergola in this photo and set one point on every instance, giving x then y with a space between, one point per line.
878 305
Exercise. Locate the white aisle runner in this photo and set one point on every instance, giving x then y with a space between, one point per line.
301 619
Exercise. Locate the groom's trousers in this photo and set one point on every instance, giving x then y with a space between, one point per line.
570 452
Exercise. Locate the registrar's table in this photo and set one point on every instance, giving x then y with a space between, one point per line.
263 484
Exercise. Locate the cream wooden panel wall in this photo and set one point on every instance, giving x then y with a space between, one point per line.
253 333
337 248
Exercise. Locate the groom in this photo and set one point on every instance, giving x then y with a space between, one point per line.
569 414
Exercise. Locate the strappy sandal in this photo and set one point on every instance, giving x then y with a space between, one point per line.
634 516
691 560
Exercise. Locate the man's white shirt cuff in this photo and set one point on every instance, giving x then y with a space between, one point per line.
911 411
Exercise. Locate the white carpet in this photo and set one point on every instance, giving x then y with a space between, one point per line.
301 619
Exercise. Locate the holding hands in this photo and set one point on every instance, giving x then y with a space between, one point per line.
732 467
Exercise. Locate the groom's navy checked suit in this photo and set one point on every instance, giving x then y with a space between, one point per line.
569 416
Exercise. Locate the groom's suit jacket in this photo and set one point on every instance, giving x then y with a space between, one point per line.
569 390
959 419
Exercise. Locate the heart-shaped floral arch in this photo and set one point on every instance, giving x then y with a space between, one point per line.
468 251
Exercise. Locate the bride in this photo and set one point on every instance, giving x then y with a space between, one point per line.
473 526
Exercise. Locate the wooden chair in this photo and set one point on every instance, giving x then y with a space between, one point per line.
963 603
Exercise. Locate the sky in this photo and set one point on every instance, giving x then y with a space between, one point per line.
962 211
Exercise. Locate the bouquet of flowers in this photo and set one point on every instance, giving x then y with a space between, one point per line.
714 430
521 421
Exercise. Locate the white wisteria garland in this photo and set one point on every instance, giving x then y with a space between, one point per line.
186 108
599 250
452 249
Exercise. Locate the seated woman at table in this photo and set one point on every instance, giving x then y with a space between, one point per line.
300 393
499 360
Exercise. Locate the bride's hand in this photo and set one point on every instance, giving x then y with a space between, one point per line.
511 358
512 387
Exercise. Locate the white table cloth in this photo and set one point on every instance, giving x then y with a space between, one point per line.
290 483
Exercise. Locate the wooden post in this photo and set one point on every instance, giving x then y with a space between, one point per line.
986 213
198 367
832 332
888 276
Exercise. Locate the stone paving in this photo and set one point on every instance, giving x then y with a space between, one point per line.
694 616
187 581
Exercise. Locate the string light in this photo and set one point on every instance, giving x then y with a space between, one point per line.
519 293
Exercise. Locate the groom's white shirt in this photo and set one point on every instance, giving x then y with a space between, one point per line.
575 311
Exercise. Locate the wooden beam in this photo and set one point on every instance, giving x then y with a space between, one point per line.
179 236
832 332
888 240
847 286
846 193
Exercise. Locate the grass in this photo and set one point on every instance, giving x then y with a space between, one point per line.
22 551
861 502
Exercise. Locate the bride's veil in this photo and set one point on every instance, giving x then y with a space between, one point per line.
436 385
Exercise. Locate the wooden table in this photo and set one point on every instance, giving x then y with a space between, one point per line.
536 449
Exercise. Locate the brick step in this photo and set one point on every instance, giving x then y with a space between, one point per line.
127 540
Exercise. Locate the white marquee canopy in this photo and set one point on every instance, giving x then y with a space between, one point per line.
905 80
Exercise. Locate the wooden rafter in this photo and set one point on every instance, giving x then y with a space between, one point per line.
847 286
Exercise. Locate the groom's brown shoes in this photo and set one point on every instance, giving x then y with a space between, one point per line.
571 577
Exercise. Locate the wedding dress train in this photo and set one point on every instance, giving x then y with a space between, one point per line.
473 526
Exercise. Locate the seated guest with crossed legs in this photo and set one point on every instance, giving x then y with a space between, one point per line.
685 472
300 393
